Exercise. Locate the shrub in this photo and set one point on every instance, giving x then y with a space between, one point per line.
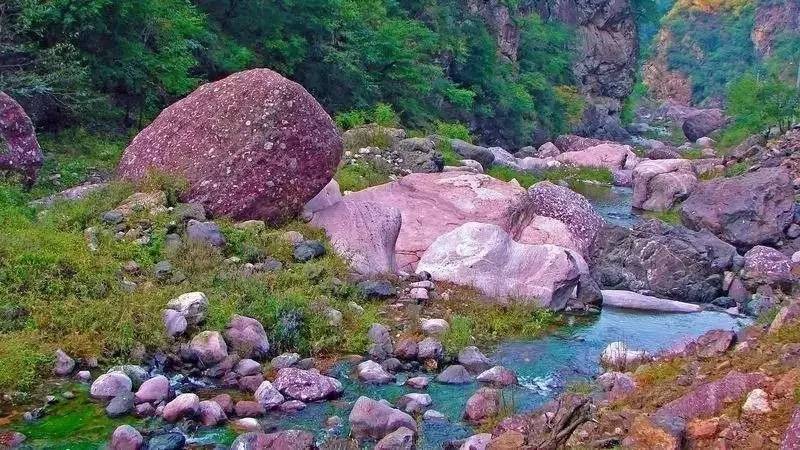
384 115
459 335
453 130
525 179
350 119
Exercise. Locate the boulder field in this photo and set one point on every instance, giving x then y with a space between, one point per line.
251 146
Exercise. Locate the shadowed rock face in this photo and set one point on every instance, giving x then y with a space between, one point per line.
19 149
672 262
252 146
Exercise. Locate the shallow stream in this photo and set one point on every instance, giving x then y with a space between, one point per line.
545 367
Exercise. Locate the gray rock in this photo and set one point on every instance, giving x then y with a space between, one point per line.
372 372
182 406
669 261
417 382
285 360
153 390
455 374
247 367
381 342
432 415
209 347
419 155
137 374
110 385
377 289
125 437
400 439
308 250
120 405
267 396
474 361
163 270
206 232
210 413
430 348
247 337
64 364
414 402
112 217
191 305
498 376
167 441
307 385
188 211
373 419
468 151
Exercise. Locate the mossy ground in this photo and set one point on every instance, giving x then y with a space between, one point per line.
567 174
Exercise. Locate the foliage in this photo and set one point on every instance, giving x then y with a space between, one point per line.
759 103
712 45
116 63
659 372
569 174
453 131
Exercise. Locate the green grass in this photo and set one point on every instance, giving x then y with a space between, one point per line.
474 322
569 174
359 176
451 158
736 169
671 216
57 293
659 372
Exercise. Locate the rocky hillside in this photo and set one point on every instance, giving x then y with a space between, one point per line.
702 46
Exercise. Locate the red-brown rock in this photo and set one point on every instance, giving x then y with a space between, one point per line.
21 152
252 146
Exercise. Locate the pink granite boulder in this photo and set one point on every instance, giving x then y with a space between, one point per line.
252 146
485 257
657 185
363 232
609 156
21 152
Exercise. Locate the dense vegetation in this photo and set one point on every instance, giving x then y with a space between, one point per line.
116 63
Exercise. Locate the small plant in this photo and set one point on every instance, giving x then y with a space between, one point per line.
583 387
459 335
525 179
359 176
659 372
451 158
350 119
671 216
737 169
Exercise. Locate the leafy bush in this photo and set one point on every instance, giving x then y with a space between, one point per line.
453 130
350 119
384 115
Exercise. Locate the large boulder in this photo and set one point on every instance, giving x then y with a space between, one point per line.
658 184
765 265
609 156
572 143
486 257
548 200
702 123
363 232
669 261
433 204
374 419
209 347
483 405
633 300
252 146
747 210
21 152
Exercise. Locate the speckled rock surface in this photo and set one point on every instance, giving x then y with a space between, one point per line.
252 146
21 152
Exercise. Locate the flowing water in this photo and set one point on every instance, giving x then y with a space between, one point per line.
545 367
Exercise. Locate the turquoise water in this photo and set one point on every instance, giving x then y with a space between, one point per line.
545 367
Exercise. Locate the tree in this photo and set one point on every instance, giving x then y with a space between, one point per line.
759 103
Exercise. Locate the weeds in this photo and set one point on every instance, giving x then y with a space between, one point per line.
671 216
361 175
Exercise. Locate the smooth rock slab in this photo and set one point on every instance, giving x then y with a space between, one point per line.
364 233
632 300
486 257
